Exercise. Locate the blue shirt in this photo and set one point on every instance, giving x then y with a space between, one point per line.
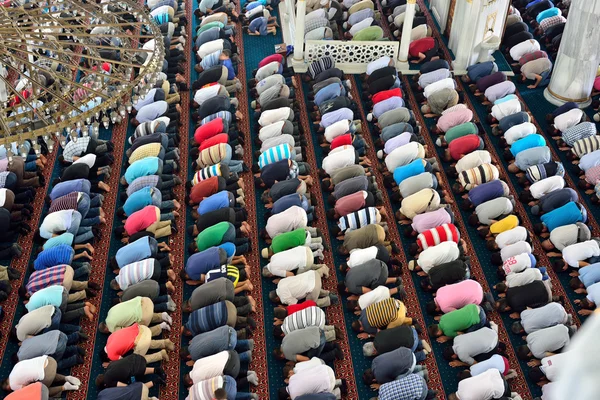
409 387
564 108
144 167
551 12
65 238
230 71
258 25
207 318
52 295
406 171
514 119
528 142
590 274
200 263
213 342
75 185
254 4
488 191
478 71
286 202
331 118
138 200
229 249
360 16
137 251
214 202
505 99
57 255
329 92
568 214
388 104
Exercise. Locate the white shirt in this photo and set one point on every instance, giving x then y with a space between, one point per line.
271 116
378 64
210 47
473 160
361 256
304 365
510 107
404 155
288 260
511 236
552 365
276 141
340 157
447 83
316 14
337 129
526 47
376 295
514 250
517 263
568 120
365 23
56 222
519 132
209 367
523 278
270 131
2 196
580 251
547 185
286 221
494 362
320 378
485 386
206 93
27 371
88 159
438 254
294 288
418 32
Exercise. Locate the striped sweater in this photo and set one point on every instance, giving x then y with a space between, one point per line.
274 154
381 314
586 145
310 316
66 202
62 254
478 175
205 173
437 235
213 155
358 219
135 272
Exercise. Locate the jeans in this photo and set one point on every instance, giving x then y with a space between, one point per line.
55 324
66 353
160 303
317 351
482 321
245 356
83 270
82 233
234 165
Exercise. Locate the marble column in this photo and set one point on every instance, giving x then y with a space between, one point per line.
299 34
406 33
578 56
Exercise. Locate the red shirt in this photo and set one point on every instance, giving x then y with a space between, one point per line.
217 139
29 392
437 235
121 341
140 220
203 189
386 94
349 204
463 146
292 308
421 46
208 130
269 59
342 140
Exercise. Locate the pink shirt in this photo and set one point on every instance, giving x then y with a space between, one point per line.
455 118
140 220
432 219
597 84
456 296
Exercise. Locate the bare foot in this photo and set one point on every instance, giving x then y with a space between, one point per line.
92 307
104 186
170 287
102 220
252 302
90 248
88 313
102 213
171 275
177 204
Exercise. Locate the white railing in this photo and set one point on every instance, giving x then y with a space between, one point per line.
351 57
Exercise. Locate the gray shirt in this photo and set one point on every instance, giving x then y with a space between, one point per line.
42 345
371 274
300 341
416 183
211 293
213 342
548 340
387 367
534 156
147 288
350 186
535 319
35 321
567 235
394 116
472 344
348 172
492 209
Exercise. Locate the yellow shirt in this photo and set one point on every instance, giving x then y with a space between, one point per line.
505 224
147 150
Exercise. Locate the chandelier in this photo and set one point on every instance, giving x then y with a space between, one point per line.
67 66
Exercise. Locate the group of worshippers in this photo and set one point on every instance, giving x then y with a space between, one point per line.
525 289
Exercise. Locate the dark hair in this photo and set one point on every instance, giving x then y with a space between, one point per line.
431 307
473 220
273 296
575 283
356 326
558 265
464 374
448 353
536 374
282 394
100 381
368 377
491 245
517 328
184 353
538 228
352 305
503 305
413 249
523 352
277 331
120 212
280 313
501 287
433 330
278 354
220 394
341 288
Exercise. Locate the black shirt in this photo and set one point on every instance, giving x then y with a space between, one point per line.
538 8
517 38
447 273
335 104
139 235
277 171
214 217
143 140
275 103
516 28
124 369
75 171
381 84
380 73
391 339
329 73
532 295
434 66
554 31
214 105
211 75
283 188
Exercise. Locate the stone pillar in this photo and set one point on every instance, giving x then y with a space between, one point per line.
406 32
299 34
578 56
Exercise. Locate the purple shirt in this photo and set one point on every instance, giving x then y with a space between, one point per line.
397 141
490 80
432 219
487 191
332 117
386 105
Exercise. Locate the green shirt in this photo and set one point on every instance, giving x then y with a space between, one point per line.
288 240
212 236
65 238
459 320
124 314
368 34
468 128
208 26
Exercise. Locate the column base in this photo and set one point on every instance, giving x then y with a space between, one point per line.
404 68
559 102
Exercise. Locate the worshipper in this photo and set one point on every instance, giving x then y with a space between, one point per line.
220 339
545 342
40 369
533 320
471 347
389 366
316 379
304 286
215 315
388 313
223 363
302 344
458 295
137 310
488 385
137 339
467 319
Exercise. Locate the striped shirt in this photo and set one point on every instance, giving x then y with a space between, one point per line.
542 171
141 183
146 128
62 254
274 154
135 272
310 316
205 390
47 277
320 65
3 176
207 318
147 150
66 202
358 219
586 145
230 272
210 60
478 175
532 56
205 173
213 155
76 148
437 235
226 115
383 313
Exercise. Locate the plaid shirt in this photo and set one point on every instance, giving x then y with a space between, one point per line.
550 22
77 148
410 387
592 175
147 150
532 56
66 202
142 182
578 132
47 277
315 23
